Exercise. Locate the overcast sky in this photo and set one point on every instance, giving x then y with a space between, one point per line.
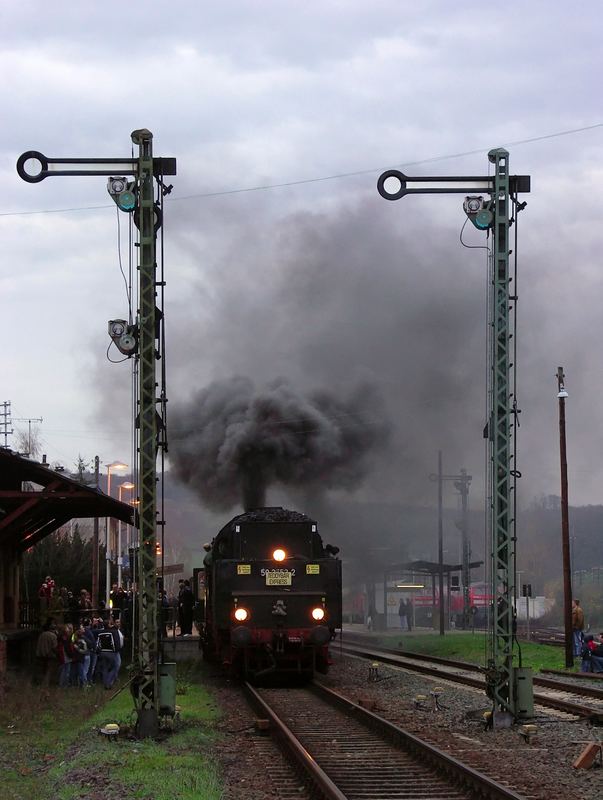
321 281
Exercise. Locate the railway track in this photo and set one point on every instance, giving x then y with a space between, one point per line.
350 753
556 694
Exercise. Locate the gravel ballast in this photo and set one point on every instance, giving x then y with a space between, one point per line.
253 768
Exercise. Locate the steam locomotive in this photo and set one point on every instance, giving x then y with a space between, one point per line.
272 595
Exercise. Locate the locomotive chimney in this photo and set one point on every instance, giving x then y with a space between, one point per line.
254 491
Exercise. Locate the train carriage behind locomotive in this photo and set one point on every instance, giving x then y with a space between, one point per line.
273 594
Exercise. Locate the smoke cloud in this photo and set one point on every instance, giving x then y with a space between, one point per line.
232 441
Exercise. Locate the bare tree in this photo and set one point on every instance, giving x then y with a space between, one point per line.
28 441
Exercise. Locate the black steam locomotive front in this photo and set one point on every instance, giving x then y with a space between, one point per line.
273 594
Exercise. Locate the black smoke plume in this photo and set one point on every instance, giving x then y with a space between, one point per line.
232 440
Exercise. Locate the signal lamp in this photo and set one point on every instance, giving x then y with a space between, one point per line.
123 193
124 336
279 554
473 204
241 614
318 613
478 211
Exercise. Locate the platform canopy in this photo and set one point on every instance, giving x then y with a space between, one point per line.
35 500
430 567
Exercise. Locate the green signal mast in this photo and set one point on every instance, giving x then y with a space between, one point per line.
508 686
136 196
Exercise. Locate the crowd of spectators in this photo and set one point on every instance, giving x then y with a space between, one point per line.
80 655
81 645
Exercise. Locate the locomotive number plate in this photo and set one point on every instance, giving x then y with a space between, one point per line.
278 577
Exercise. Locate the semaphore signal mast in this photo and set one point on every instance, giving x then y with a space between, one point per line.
509 686
135 195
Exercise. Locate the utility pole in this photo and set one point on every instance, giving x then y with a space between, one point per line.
509 687
439 477
440 544
29 421
462 486
565 543
137 197
6 421
461 483
95 553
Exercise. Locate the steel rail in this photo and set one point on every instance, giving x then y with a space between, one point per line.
548 683
397 660
443 762
583 676
447 767
293 746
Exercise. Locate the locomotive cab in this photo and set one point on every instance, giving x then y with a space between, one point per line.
273 594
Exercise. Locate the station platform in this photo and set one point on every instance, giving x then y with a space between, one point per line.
181 648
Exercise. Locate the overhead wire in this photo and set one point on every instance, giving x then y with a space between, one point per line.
471 246
323 178
121 269
112 360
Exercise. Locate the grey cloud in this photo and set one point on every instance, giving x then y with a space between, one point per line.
233 441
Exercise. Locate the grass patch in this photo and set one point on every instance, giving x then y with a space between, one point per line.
50 747
472 647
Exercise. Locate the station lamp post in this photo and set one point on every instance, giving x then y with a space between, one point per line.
114 465
125 486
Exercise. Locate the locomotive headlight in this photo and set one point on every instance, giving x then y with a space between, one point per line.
318 613
279 554
241 614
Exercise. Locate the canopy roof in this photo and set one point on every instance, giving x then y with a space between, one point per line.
430 567
48 500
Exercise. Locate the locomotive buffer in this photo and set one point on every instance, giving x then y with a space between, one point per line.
508 686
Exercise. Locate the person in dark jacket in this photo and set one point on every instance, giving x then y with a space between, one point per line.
82 650
164 611
66 654
46 653
186 601
90 640
592 655
109 647
95 669
577 627
409 614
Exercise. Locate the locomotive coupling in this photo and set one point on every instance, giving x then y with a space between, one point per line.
241 636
